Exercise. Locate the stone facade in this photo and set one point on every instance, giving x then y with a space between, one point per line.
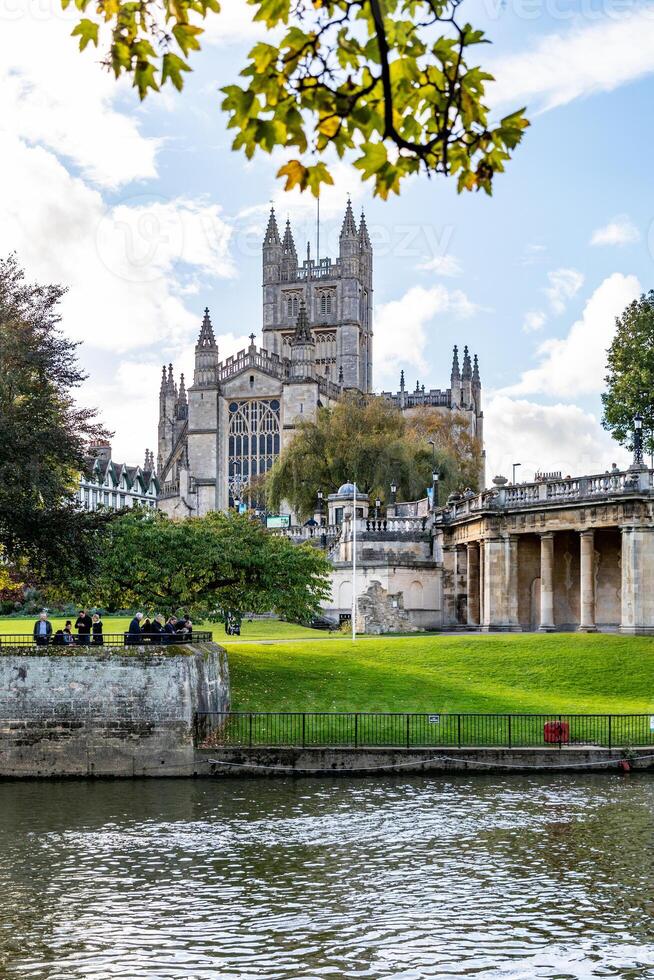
552 555
217 437
573 554
106 712
114 486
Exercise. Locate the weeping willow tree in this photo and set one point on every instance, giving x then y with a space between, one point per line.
364 439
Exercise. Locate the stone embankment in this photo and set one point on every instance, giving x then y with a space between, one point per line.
276 761
107 712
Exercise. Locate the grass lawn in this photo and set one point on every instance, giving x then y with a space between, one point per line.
261 629
565 673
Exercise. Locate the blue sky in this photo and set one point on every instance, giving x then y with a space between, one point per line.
148 216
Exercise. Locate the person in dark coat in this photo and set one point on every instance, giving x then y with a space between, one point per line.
156 627
69 639
83 626
134 630
168 632
146 630
58 640
42 630
96 629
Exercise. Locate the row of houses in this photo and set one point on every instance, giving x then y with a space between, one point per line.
106 483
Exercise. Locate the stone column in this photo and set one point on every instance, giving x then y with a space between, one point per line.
587 583
482 581
512 580
449 587
637 580
472 548
546 582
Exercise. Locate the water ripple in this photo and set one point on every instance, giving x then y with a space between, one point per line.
523 877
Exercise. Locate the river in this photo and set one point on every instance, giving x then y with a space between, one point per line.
398 877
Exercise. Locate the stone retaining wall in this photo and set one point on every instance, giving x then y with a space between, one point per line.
106 712
260 761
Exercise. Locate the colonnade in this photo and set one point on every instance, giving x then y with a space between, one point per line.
492 580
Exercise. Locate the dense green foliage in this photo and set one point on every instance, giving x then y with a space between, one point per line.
366 440
530 673
630 378
391 82
43 433
205 565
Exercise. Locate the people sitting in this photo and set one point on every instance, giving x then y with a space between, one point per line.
69 639
58 640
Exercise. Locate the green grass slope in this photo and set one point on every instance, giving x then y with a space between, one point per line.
569 673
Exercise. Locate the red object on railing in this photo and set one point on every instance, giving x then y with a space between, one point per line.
556 731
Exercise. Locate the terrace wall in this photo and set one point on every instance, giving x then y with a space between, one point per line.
108 712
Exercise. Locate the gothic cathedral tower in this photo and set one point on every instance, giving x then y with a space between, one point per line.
337 296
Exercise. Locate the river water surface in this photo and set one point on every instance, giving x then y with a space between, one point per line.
400 877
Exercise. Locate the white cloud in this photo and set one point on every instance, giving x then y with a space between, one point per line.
545 437
121 264
619 231
559 68
564 284
400 328
442 265
534 320
576 364
233 24
63 100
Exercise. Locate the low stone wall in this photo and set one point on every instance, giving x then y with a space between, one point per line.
224 762
106 712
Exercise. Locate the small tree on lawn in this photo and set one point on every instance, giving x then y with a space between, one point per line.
205 565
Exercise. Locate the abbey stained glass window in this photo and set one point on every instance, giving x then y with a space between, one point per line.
254 433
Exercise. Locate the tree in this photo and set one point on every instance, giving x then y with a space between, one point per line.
450 432
630 378
206 565
361 438
43 433
388 81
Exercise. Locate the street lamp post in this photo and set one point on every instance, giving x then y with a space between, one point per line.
638 440
434 489
515 466
377 508
321 497
393 492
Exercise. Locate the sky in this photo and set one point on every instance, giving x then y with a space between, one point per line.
147 216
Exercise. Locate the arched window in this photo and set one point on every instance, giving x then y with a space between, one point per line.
295 306
289 307
254 443
329 304
323 304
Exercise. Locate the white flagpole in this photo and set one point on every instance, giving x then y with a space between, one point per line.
354 565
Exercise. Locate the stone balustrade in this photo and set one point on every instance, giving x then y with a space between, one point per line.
552 492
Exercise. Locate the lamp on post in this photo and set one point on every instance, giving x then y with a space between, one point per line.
638 440
393 492
434 489
377 508
321 497
515 466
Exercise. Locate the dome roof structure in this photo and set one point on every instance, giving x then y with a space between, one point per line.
347 490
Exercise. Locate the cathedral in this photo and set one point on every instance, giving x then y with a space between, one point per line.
226 430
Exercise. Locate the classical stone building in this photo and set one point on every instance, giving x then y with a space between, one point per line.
217 437
555 554
106 483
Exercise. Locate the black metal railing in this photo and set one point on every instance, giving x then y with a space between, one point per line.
419 730
107 639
